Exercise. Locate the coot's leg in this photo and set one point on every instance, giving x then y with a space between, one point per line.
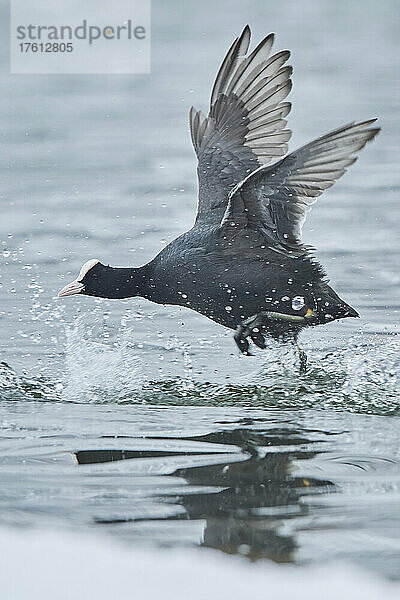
302 355
303 360
252 328
241 341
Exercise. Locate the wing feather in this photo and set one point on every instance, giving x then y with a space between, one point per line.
245 124
275 200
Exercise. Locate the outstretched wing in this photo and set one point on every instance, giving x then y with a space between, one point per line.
245 126
275 200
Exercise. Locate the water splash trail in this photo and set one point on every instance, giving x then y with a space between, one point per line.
104 366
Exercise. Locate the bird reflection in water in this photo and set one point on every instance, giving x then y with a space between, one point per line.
259 494
250 513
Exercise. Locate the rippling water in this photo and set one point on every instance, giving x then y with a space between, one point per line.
142 421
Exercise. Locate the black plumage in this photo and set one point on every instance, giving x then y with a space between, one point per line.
243 264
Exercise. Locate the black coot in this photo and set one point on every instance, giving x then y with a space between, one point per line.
243 263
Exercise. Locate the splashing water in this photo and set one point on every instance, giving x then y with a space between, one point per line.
361 378
99 370
96 371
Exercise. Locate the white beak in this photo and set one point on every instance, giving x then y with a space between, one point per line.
71 288
77 286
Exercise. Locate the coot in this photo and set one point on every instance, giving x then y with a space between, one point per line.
243 263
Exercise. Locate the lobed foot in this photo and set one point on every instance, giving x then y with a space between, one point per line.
252 327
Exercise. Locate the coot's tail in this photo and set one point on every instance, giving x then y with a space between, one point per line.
331 307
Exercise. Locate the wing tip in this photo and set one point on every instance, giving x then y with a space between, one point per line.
366 124
245 38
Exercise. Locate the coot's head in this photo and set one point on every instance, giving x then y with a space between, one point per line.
91 281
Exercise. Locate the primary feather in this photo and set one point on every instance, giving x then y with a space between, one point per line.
245 124
276 199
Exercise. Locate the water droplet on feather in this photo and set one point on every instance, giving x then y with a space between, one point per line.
298 302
